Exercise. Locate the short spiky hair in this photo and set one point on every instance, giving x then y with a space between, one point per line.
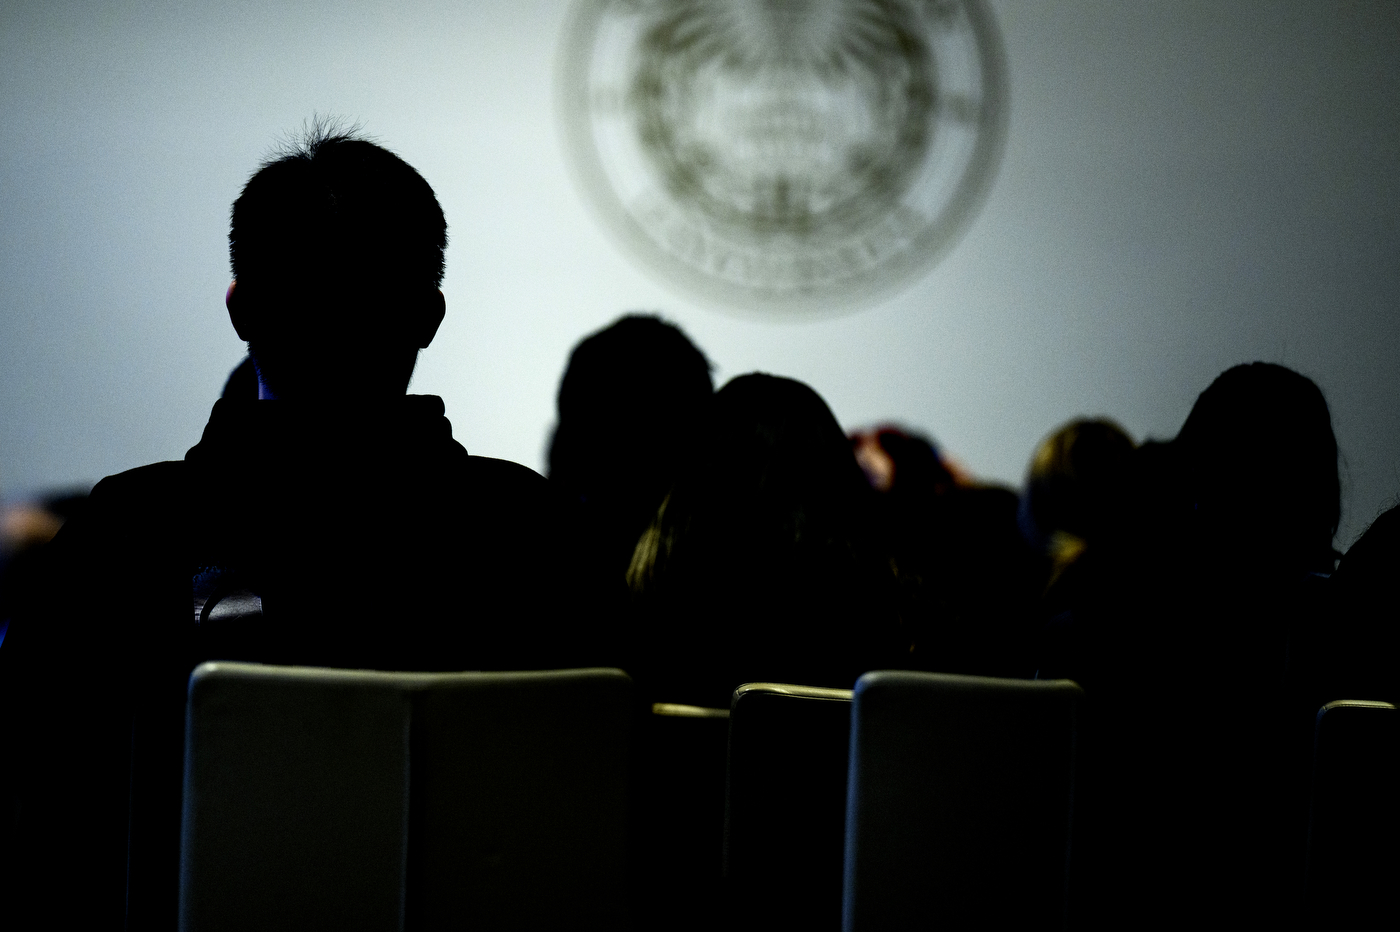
333 205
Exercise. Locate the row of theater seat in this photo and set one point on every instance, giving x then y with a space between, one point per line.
350 799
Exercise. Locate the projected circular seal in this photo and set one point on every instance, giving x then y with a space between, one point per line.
785 154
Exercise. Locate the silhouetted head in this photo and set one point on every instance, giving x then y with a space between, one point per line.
1074 480
628 402
337 251
902 463
1261 463
763 563
775 475
777 438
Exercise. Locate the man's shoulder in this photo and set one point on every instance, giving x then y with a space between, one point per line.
157 486
128 511
154 479
506 489
506 474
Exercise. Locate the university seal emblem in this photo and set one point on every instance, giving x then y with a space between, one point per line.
784 155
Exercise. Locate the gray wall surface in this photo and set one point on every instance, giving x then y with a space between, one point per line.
1187 185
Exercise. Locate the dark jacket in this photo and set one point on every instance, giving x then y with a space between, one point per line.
363 536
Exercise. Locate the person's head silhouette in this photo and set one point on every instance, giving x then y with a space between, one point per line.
337 252
1261 461
629 404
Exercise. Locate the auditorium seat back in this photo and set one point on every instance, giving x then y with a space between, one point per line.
678 835
960 802
785 819
1353 852
318 798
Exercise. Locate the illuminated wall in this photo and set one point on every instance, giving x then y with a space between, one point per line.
1184 186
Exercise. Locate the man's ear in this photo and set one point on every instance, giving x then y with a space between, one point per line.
433 313
238 312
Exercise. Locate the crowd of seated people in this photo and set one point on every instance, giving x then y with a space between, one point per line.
1186 584
703 539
